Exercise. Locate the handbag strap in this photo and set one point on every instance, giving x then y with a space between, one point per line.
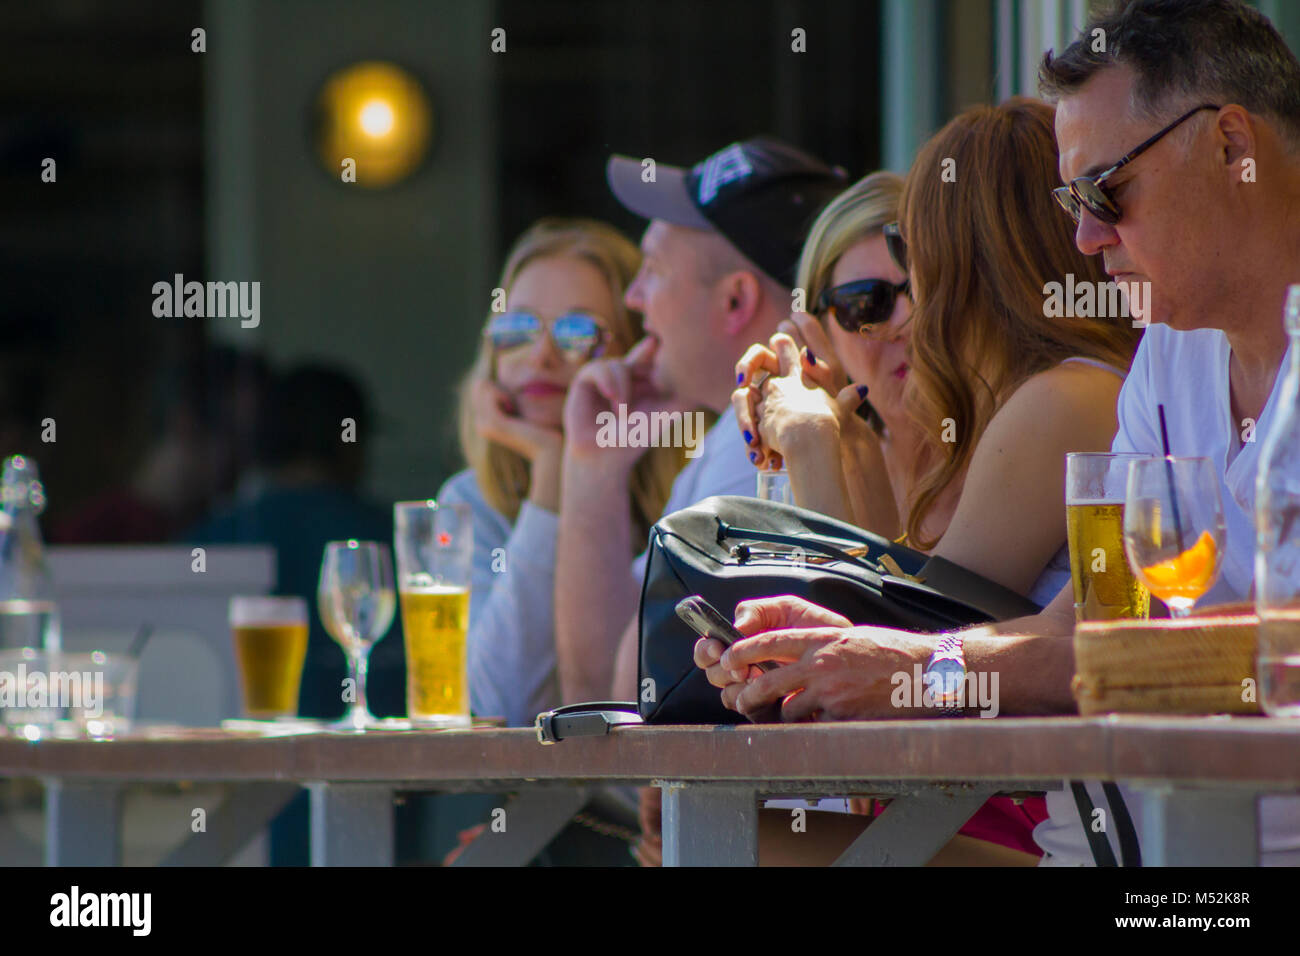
998 601
590 719
821 544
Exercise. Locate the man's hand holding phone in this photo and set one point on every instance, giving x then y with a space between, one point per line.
754 619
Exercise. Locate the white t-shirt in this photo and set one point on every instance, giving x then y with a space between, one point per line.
721 468
1188 373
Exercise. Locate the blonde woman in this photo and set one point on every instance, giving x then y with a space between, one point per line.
564 281
857 329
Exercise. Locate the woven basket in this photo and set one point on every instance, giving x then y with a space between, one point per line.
1195 665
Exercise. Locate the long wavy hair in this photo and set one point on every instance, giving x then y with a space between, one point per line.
503 474
860 212
985 237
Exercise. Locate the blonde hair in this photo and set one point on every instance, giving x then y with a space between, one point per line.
981 257
860 212
503 474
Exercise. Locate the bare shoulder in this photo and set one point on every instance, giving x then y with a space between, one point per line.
1074 396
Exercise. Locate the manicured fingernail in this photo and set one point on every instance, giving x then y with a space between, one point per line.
711 652
862 391
753 456
749 439
811 358
740 377
738 675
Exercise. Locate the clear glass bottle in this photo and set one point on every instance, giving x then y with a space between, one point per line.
1277 538
28 615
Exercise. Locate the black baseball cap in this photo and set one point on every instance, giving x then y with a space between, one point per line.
761 195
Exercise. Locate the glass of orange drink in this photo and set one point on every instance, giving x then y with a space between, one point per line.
1173 528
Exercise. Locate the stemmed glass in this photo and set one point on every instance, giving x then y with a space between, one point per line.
1173 528
357 601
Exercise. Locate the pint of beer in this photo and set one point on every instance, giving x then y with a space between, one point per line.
270 636
435 547
1104 584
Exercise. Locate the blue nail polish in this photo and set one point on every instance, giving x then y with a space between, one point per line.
749 439
811 359
862 391
753 456
740 377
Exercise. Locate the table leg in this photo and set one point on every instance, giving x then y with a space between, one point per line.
351 824
707 825
913 828
1199 827
245 812
83 823
530 821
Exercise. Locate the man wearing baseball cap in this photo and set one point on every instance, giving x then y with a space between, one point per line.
719 259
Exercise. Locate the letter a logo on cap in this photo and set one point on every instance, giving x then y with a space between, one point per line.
721 168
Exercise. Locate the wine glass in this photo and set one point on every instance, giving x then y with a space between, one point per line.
1173 528
357 601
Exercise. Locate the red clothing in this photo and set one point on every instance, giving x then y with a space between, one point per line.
115 517
1004 821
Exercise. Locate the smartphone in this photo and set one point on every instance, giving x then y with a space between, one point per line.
707 621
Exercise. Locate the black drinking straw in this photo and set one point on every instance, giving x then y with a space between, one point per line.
1169 474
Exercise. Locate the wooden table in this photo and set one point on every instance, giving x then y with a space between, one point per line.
1200 778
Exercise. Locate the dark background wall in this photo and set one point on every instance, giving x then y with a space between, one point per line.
171 161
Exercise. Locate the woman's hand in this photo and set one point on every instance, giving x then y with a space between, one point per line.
785 406
822 365
496 417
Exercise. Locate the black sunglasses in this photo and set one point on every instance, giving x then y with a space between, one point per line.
864 305
578 335
1089 193
896 246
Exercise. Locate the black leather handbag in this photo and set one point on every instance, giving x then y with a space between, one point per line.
729 549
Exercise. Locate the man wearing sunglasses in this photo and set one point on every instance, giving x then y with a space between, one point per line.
719 259
1180 151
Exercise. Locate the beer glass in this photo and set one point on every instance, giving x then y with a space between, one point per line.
774 485
270 635
356 603
1105 587
1173 528
435 551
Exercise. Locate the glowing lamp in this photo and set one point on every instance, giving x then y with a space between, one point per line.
378 116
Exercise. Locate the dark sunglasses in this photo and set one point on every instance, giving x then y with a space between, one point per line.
1089 193
578 335
896 246
864 305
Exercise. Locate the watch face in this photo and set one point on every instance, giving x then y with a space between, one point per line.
945 683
